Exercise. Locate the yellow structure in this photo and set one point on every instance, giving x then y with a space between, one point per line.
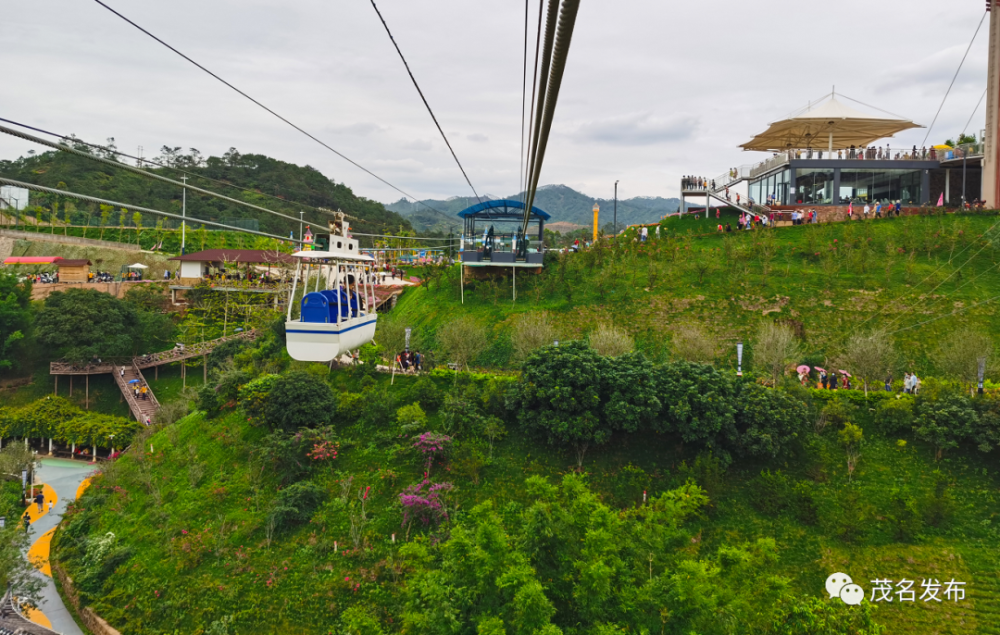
597 211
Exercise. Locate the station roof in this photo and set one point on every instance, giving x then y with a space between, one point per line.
250 256
502 206
46 260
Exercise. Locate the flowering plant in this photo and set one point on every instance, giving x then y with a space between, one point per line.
430 444
425 502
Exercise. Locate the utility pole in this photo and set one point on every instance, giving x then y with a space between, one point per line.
301 214
183 213
616 208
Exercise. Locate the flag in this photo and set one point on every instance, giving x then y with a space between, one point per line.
941 200
850 208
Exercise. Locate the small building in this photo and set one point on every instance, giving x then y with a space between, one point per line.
195 267
69 270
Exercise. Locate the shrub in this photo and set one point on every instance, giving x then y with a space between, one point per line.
938 504
894 415
462 341
208 400
411 417
252 397
531 332
299 400
349 405
770 491
424 502
296 504
611 341
426 393
431 444
905 516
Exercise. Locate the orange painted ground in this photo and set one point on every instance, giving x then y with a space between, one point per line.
38 554
37 617
32 511
82 488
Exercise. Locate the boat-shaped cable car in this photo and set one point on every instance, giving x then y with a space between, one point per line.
337 310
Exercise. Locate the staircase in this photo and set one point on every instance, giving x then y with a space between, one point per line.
141 408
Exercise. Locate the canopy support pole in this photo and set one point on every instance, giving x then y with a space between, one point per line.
830 155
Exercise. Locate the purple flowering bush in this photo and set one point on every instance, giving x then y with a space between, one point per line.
425 502
431 444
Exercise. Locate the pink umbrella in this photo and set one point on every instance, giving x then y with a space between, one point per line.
822 370
802 369
844 372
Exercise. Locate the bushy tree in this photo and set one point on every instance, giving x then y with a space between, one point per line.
959 353
611 341
693 343
870 356
560 395
767 421
629 394
15 317
531 332
462 340
299 400
697 402
80 323
945 422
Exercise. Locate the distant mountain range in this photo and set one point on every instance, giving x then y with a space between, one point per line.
563 203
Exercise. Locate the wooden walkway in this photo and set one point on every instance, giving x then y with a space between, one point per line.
142 409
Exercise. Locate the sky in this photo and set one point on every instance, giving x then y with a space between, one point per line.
653 90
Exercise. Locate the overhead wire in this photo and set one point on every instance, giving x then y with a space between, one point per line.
137 208
531 104
135 170
269 110
424 99
524 92
560 53
931 127
941 317
116 152
538 106
978 104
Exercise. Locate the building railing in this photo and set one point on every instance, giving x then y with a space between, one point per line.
874 153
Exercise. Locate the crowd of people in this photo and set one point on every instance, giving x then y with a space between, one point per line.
410 361
697 183
99 276
841 380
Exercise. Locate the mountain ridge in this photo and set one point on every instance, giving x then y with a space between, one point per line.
562 202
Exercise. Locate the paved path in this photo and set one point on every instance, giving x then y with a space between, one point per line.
65 480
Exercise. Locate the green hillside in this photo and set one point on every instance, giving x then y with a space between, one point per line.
262 177
583 493
919 277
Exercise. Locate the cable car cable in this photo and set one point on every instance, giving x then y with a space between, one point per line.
931 127
424 99
126 206
172 167
135 170
301 130
564 37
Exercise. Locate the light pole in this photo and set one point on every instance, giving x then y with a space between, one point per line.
301 214
183 211
739 358
616 208
112 437
982 372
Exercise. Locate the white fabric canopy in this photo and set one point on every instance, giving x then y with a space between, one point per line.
138 265
828 125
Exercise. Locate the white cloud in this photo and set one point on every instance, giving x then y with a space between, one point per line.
637 129
419 145
477 138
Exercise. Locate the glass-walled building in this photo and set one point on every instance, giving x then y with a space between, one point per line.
839 182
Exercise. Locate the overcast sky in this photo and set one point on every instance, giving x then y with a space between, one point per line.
653 89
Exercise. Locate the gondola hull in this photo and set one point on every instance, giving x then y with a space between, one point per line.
322 342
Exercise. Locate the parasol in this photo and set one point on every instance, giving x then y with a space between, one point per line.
829 124
822 370
844 372
802 369
138 265
133 381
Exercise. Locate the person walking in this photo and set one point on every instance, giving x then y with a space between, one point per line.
40 501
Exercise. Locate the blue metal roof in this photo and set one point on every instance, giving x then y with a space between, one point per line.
486 205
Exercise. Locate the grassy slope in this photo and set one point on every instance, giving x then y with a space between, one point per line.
915 269
200 550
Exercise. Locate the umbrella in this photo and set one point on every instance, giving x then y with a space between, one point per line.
802 369
844 372
822 370
138 265
830 125
133 381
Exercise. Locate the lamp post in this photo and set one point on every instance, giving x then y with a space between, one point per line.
112 437
616 208
982 372
183 213
739 359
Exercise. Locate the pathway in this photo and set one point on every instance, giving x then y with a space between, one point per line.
64 480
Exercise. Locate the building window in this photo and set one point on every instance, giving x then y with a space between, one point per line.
814 186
